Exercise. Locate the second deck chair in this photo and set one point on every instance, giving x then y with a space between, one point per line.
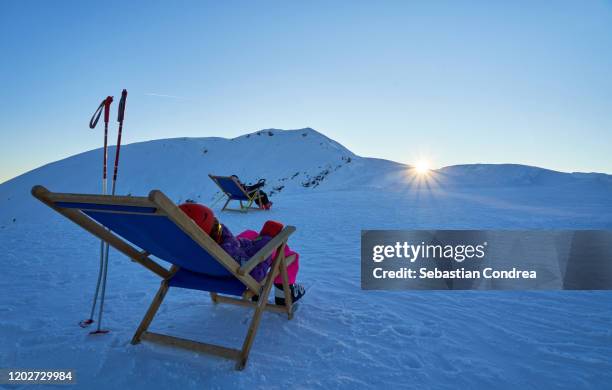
234 190
159 228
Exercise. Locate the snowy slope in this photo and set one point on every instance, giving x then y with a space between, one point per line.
292 161
180 167
342 337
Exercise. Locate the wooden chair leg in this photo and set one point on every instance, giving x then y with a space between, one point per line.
226 203
261 304
286 289
246 208
146 320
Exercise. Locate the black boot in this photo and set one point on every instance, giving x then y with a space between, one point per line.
297 292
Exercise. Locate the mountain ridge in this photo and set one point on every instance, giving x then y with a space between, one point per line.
291 161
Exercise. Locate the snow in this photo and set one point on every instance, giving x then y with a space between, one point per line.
341 337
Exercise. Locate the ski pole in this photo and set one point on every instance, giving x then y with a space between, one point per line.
92 124
120 116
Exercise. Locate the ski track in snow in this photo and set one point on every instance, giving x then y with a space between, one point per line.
341 337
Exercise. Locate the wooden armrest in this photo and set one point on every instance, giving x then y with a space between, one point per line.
264 252
249 193
290 259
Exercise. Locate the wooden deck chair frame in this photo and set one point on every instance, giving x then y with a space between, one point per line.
165 207
252 196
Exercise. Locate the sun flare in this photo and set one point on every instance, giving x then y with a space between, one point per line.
422 167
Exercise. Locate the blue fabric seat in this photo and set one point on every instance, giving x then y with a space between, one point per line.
165 240
197 281
230 187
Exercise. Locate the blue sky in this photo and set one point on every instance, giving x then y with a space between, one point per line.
454 82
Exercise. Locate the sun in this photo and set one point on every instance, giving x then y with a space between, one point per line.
422 167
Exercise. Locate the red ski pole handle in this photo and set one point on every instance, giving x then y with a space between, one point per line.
107 103
96 116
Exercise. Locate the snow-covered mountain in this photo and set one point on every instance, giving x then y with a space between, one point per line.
516 175
292 161
180 166
342 336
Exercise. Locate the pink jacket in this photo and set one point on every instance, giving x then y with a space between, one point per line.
292 269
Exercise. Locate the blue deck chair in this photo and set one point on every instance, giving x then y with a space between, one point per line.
234 190
156 226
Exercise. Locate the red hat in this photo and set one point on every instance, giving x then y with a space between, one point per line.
201 215
271 228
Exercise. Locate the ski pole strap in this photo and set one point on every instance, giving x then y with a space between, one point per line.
121 112
96 116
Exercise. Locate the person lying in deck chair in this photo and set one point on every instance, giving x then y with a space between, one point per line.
245 245
265 202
